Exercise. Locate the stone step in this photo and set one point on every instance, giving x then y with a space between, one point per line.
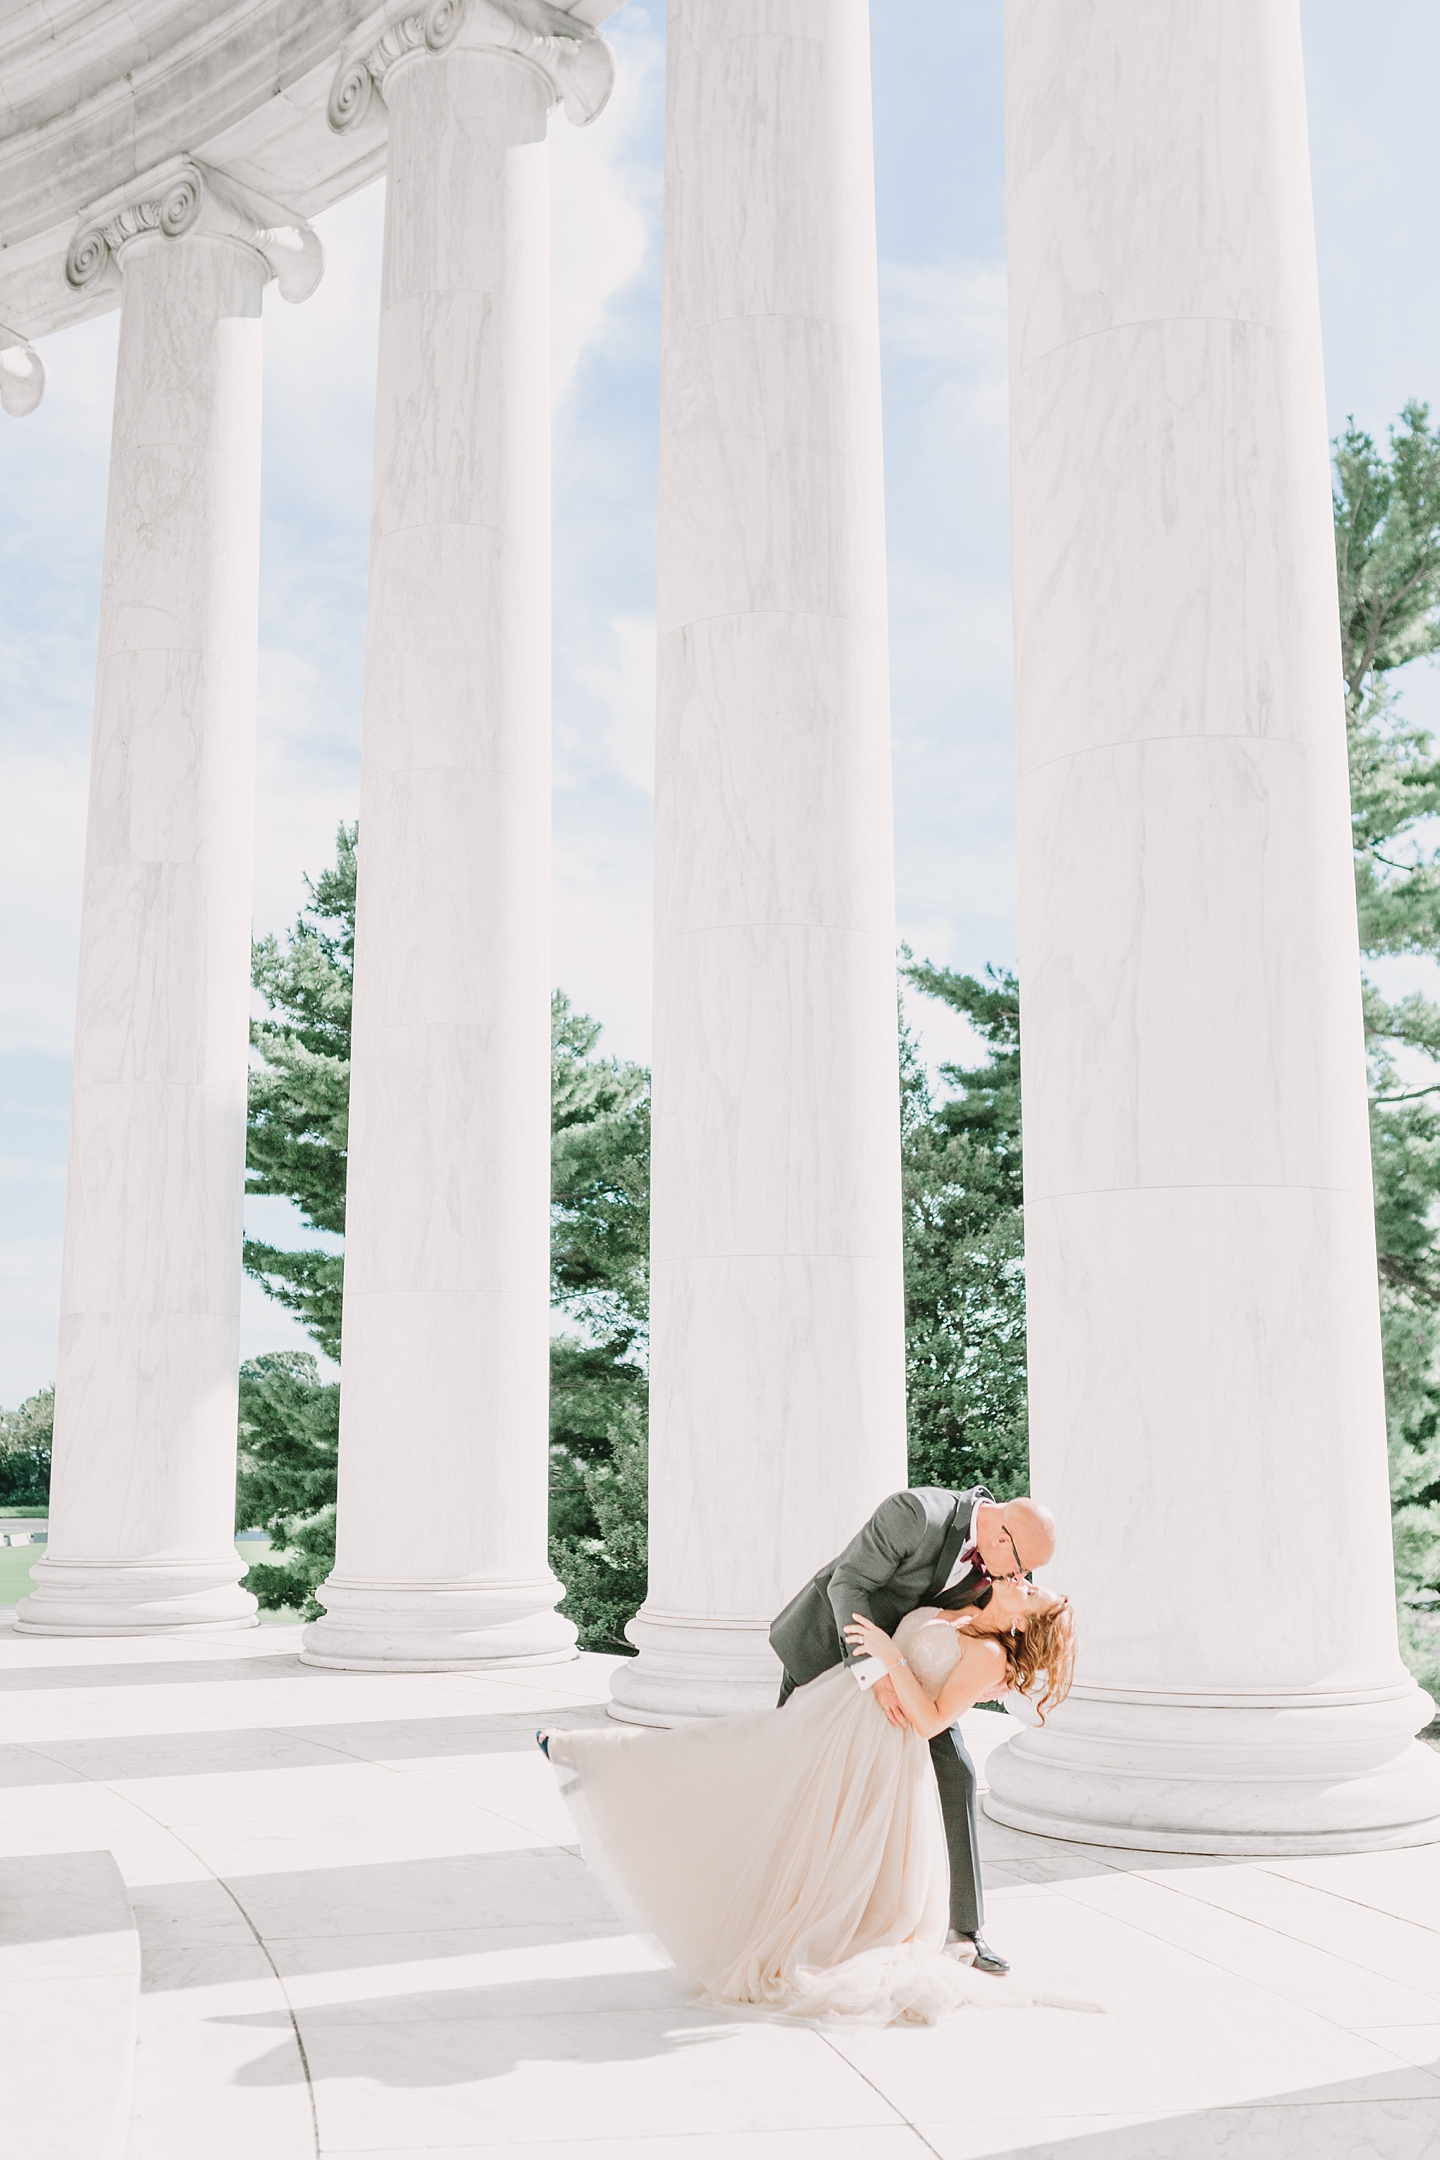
69 1993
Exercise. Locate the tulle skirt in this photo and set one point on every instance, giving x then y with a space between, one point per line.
793 1859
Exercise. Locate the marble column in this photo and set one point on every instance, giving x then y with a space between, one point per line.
777 1369
142 1510
1206 1398
444 1431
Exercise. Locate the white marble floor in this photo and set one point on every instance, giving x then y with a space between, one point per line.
363 1931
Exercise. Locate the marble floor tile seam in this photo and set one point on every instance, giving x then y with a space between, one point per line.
1179 2034
986 2113
412 1798
420 1965
366 1700
1242 1921
66 1751
233 1858
273 1810
276 1980
831 2042
517 1820
1402 2132
1379 1912
46 1751
1343 1897
294 1793
829 2141
1199 1957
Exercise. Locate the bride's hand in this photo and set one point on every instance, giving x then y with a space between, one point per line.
870 1641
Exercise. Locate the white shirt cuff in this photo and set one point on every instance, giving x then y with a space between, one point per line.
867 1671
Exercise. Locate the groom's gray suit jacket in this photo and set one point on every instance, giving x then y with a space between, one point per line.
899 1560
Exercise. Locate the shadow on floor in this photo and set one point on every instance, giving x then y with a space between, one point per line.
278 1747
469 2035
61 1897
1019 1857
195 1935
346 1916
277 1665
1362 2119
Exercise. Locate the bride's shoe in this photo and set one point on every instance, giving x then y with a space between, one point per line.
542 1741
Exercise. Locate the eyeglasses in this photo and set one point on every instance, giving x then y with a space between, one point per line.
1020 1567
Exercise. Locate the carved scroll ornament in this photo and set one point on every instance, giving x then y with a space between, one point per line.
184 196
573 55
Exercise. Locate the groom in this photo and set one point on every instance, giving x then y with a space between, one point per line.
925 1547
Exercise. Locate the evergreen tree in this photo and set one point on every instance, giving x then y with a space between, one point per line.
962 1195
599 1243
300 1092
289 1415
25 1442
1387 545
600 1283
603 1565
289 1439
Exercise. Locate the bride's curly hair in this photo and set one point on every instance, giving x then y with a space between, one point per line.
1045 1646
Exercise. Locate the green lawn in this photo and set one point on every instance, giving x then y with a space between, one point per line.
16 1562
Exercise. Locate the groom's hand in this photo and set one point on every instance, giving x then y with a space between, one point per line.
884 1693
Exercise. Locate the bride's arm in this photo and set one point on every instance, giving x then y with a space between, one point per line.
979 1674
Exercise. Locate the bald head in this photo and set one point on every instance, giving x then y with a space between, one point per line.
1015 1538
1033 1529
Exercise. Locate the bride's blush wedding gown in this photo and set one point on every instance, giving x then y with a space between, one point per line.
793 1859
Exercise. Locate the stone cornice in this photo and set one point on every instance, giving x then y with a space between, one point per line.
183 196
568 51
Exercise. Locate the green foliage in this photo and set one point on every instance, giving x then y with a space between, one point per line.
289 1436
300 1092
600 1283
599 1234
600 1230
962 1193
25 1442
1387 549
1387 546
604 1571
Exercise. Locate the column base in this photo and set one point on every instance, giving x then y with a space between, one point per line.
438 1627
1277 1775
694 1666
136 1597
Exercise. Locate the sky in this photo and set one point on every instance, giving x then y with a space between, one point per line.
940 199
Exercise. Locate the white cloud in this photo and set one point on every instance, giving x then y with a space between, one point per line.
600 184
29 1301
40 869
624 687
949 312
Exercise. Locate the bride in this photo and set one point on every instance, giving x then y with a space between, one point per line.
795 1858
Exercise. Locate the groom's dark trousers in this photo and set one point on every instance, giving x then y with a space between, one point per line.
903 1557
955 1776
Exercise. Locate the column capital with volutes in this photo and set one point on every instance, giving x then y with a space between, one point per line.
569 52
182 196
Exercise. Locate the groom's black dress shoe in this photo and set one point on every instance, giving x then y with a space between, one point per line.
986 1959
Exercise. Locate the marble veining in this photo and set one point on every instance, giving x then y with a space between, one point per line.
1207 1406
777 1329
447 1258
142 1508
